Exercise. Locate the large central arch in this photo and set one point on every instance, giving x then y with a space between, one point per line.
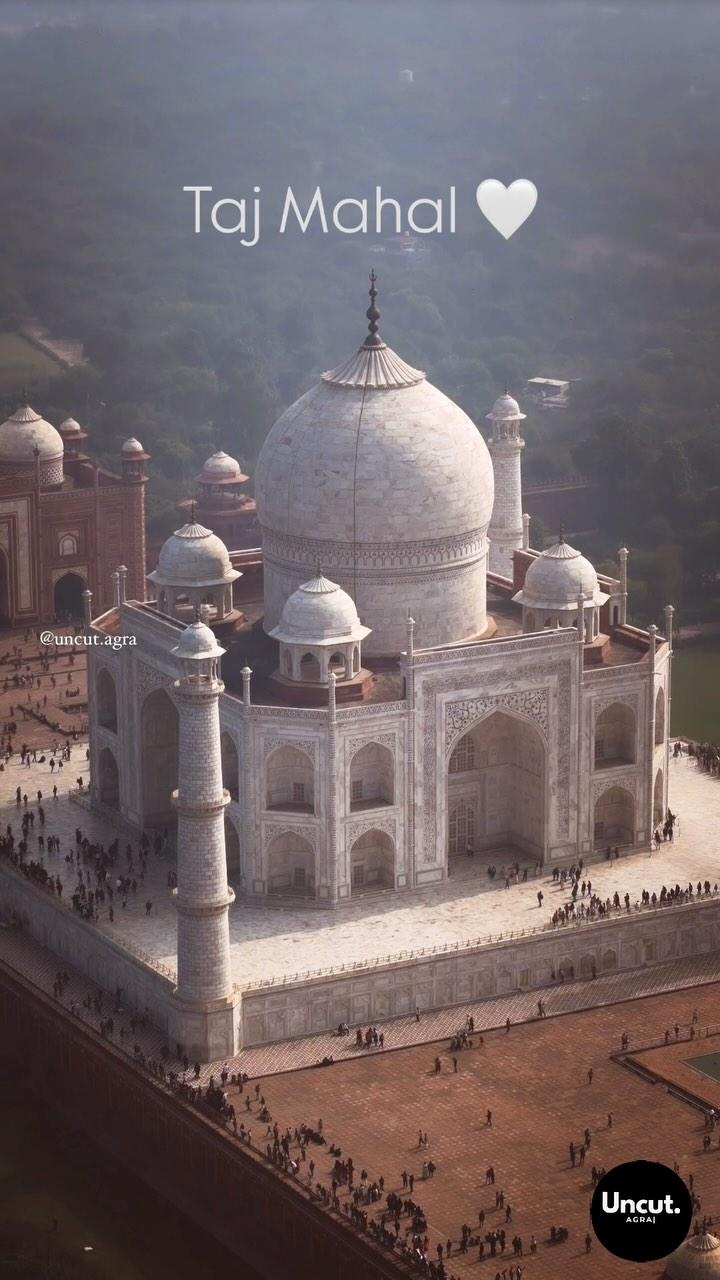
159 759
496 788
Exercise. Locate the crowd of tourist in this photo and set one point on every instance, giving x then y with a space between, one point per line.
706 755
27 672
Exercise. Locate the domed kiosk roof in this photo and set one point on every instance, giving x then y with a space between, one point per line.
506 409
193 557
698 1257
132 446
196 643
374 454
555 579
25 432
319 613
220 468
70 427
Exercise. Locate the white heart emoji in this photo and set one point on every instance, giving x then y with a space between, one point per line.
506 208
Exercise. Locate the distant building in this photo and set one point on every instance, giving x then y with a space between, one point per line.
221 504
551 393
65 523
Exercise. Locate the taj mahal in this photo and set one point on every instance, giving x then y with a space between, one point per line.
396 693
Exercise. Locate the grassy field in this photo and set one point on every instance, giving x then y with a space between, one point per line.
22 364
696 691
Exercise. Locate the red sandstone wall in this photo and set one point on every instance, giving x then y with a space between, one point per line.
236 1194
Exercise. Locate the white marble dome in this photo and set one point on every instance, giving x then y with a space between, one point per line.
555 579
24 433
506 409
197 642
70 427
132 446
698 1258
220 468
319 612
193 557
389 483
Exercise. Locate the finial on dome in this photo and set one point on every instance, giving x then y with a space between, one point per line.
373 315
192 511
506 392
24 402
561 535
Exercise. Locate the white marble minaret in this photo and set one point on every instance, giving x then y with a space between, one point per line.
204 1002
506 445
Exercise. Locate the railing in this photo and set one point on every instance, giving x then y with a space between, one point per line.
472 944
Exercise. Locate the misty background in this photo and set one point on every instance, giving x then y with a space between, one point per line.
613 110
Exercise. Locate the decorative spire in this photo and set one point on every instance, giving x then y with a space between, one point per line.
192 511
318 568
561 535
373 339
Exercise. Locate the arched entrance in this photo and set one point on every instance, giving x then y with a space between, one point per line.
658 806
614 818
660 718
230 767
5 611
615 736
290 780
67 597
108 781
232 851
372 862
496 789
291 866
106 700
159 759
372 777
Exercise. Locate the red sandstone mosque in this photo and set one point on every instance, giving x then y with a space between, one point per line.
65 522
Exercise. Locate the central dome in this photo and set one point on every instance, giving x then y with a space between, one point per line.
389 484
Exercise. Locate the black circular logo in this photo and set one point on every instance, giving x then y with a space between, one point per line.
641 1211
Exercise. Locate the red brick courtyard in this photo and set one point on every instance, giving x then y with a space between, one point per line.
535 1081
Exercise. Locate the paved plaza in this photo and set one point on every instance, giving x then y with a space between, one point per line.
269 943
42 685
534 1080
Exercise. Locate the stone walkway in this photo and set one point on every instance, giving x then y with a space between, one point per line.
270 943
41 966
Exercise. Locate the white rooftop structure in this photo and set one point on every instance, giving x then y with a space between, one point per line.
193 556
388 483
698 1258
26 436
319 613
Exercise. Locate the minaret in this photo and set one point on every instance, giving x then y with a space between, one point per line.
134 478
203 1002
506 445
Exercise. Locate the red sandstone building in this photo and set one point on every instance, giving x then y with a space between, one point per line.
65 523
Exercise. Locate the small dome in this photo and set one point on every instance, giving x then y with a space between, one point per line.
70 427
698 1257
193 557
506 409
319 612
196 642
220 468
132 446
25 432
555 579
